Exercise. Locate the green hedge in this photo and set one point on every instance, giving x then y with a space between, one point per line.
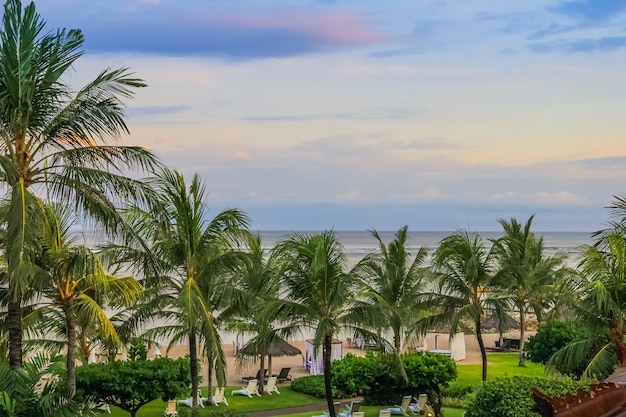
512 397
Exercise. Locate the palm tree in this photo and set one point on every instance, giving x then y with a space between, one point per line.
525 272
78 286
55 139
465 270
602 307
317 292
393 281
189 264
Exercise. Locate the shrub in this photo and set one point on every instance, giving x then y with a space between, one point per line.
512 397
312 385
552 336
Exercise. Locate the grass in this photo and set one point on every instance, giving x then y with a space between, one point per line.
499 365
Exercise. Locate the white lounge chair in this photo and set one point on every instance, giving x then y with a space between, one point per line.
384 413
189 402
352 408
249 390
219 396
271 385
336 405
403 407
358 414
419 403
170 409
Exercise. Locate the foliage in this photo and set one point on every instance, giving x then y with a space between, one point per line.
131 384
311 385
221 412
512 397
36 390
137 350
554 335
373 377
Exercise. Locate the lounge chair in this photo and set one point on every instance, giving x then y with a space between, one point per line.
271 386
170 409
189 402
384 413
260 376
219 396
403 407
358 414
419 403
283 375
249 390
336 405
352 408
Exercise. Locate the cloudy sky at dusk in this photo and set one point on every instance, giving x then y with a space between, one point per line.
375 114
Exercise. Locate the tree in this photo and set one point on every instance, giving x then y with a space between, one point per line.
55 139
132 384
77 284
525 273
602 307
37 390
317 292
188 263
464 268
393 281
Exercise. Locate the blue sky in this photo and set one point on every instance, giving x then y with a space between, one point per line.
375 114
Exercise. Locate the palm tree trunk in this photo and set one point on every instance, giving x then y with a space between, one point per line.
262 374
193 367
210 376
483 351
326 352
14 323
70 322
522 320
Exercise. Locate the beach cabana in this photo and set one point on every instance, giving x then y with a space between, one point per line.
315 364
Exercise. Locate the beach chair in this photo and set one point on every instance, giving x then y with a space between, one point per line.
283 375
336 405
384 413
403 408
249 390
260 376
352 408
170 409
271 386
189 402
219 396
358 414
419 403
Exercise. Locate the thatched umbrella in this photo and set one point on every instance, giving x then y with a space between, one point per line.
495 322
277 347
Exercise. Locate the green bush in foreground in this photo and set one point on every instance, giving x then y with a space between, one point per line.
312 385
512 397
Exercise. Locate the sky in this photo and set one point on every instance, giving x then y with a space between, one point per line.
354 115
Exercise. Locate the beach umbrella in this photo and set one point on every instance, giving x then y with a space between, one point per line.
277 347
493 322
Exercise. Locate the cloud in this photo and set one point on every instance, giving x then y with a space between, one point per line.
366 114
606 44
586 12
219 30
155 110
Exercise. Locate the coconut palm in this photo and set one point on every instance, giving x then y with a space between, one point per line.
602 307
55 139
188 262
317 291
78 286
393 283
525 272
464 268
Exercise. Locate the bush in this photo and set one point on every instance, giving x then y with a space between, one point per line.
552 336
512 397
312 385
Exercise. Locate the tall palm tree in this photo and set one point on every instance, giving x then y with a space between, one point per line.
465 269
189 262
317 291
56 139
394 282
525 272
602 307
78 286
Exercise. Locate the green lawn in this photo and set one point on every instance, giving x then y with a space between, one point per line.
499 364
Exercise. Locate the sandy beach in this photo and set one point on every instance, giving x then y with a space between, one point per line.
235 371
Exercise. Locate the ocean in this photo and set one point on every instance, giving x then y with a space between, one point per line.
357 244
